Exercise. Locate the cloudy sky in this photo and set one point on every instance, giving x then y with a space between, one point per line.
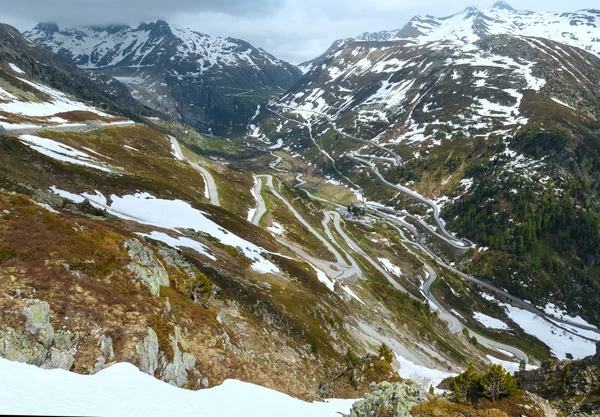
295 30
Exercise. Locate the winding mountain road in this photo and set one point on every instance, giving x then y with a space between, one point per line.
211 191
444 234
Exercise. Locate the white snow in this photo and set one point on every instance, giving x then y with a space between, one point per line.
553 310
490 322
510 366
122 390
16 69
422 375
276 229
351 293
175 214
558 340
390 267
58 103
321 276
61 152
179 242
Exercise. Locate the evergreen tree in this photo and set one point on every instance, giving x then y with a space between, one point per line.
386 353
497 383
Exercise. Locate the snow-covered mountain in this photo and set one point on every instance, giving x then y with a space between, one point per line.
435 103
578 28
209 82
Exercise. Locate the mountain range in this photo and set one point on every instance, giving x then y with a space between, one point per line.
212 84
412 204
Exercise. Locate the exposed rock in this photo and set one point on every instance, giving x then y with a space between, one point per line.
38 323
106 346
389 399
177 372
572 386
2 130
146 267
39 344
147 350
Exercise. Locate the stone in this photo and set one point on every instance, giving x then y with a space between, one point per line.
106 346
146 267
47 349
177 372
147 350
37 314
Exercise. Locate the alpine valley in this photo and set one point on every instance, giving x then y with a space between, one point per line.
406 225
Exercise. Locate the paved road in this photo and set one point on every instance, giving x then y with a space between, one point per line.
398 161
261 207
338 270
448 237
326 220
340 260
75 127
211 191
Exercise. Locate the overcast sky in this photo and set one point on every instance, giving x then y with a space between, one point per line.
295 30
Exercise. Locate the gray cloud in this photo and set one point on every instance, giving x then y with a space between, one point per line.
296 30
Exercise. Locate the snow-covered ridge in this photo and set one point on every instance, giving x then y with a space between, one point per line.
580 28
128 392
146 45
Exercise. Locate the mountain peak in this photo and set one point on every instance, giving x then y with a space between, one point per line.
158 28
501 4
47 27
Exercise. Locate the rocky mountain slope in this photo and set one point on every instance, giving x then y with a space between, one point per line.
98 210
573 386
57 72
212 84
483 116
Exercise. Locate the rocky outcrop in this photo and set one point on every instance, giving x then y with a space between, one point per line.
389 399
176 371
39 344
147 350
146 267
572 386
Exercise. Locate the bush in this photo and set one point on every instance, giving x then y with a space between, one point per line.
197 287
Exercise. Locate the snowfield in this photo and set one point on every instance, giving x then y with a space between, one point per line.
173 214
560 341
61 152
122 390
58 103
490 322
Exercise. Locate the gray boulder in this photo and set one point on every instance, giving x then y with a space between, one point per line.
146 267
37 314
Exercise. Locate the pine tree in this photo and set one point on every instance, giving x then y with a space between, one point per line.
466 386
497 383
386 353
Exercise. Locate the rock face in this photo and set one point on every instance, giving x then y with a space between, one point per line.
57 72
153 361
572 386
177 371
147 350
39 344
389 399
146 267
